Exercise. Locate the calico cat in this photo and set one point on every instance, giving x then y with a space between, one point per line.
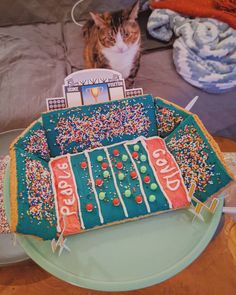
112 40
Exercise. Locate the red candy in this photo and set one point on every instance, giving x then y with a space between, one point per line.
135 155
104 166
146 179
99 181
116 152
89 207
139 199
83 165
119 165
116 202
133 174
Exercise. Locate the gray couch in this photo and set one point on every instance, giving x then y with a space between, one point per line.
39 46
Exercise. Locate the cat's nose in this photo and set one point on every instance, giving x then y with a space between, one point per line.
121 49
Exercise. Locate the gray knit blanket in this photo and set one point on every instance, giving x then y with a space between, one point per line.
204 51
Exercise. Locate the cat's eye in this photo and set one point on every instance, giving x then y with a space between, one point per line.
125 34
110 36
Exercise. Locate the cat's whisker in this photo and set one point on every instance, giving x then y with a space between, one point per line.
93 81
83 82
104 80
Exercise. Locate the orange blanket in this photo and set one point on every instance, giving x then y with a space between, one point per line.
223 10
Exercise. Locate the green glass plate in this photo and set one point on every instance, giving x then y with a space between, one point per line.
127 256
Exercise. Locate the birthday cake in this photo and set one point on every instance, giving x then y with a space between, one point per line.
93 166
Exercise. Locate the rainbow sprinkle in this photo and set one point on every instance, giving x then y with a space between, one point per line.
191 155
36 143
92 129
167 120
39 191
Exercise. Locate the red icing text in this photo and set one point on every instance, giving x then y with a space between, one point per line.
66 196
167 172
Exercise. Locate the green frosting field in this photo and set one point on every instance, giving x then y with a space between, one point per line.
113 185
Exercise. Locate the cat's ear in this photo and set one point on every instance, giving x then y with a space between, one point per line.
133 12
99 22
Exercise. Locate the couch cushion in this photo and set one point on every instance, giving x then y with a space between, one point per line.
74 45
158 76
32 67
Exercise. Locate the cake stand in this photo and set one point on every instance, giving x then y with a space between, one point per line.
127 256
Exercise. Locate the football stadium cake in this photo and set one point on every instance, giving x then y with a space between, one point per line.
92 166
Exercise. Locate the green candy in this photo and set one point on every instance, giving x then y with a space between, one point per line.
128 193
152 198
102 195
121 176
153 186
143 158
106 174
143 169
136 147
99 158
124 158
